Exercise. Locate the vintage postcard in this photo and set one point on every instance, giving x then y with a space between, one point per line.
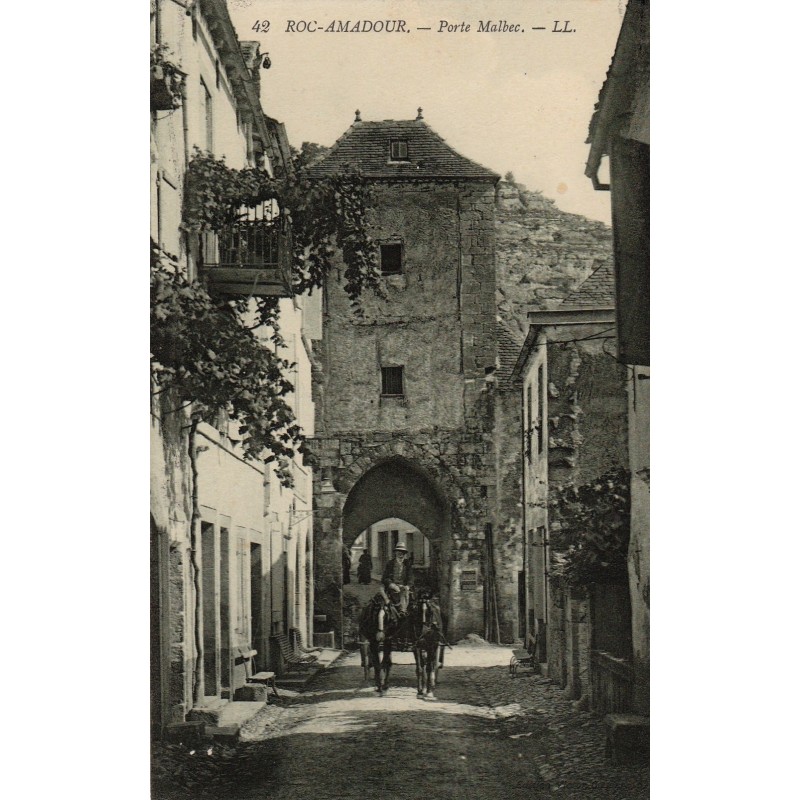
400 472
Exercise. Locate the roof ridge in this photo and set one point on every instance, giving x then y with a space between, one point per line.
433 156
447 144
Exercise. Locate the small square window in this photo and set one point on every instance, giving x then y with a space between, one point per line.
392 381
391 259
399 150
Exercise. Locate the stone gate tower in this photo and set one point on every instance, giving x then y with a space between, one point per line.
405 396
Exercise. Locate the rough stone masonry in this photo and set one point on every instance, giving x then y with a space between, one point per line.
427 454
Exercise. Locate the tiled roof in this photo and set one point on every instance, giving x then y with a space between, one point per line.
508 350
597 291
365 146
626 89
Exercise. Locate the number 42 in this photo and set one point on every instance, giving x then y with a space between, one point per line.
261 26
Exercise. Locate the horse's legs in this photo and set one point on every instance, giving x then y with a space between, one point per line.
433 666
387 662
375 657
419 661
363 646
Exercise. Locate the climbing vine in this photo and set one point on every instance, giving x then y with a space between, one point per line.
324 213
167 81
202 347
215 351
595 529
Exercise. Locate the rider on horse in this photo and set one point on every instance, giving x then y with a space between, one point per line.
397 578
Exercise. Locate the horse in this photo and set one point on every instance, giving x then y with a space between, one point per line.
380 626
425 621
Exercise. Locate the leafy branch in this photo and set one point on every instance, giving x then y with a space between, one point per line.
206 347
595 528
324 212
167 81
201 346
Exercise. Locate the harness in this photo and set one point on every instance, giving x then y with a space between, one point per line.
430 610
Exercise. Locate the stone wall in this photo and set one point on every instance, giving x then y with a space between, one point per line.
568 639
432 478
508 539
437 321
171 511
542 252
587 406
639 548
587 436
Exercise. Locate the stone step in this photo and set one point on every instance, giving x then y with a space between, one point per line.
223 718
627 738
184 732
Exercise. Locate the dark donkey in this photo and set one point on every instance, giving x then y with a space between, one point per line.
429 643
379 628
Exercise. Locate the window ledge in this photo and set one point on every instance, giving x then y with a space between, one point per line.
397 280
393 400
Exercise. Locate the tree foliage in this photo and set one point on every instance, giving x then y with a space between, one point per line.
202 346
208 348
325 212
595 528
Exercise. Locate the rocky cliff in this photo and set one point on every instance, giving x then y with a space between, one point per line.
542 253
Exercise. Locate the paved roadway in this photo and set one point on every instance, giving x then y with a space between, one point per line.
340 740
485 737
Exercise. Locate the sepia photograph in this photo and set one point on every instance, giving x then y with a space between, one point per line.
399 399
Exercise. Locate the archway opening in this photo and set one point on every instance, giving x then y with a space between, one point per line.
394 501
373 549
364 563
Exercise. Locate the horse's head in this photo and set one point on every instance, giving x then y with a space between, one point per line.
426 610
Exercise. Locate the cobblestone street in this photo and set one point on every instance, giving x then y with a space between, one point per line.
486 735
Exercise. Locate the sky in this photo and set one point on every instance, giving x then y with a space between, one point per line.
516 101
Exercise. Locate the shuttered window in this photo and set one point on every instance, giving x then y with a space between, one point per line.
391 259
392 381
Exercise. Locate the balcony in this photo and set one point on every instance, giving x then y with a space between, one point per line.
251 256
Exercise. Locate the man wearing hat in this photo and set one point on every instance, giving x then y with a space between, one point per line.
397 574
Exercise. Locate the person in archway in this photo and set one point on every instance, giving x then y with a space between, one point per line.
397 577
365 568
346 564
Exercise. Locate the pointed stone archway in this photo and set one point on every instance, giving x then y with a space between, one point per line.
399 488
392 486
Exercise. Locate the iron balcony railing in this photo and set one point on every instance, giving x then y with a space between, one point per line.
251 255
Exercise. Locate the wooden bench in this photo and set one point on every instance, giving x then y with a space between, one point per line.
296 636
290 660
523 657
264 678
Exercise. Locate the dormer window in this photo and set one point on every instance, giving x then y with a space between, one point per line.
398 150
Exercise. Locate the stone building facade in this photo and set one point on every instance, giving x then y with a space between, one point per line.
574 424
406 394
231 551
620 130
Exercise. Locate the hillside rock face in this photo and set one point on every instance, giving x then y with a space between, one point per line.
542 253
